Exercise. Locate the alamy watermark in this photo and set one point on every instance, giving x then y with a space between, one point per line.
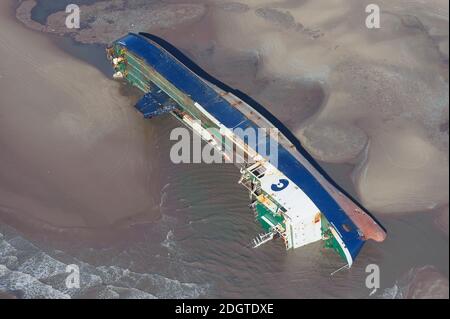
373 278
373 18
73 17
73 279
238 146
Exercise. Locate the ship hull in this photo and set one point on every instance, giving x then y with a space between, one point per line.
291 198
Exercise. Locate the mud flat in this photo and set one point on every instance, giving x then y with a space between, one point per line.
104 21
387 91
73 159
401 151
334 143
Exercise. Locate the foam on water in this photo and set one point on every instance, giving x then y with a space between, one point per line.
394 292
169 243
29 272
26 286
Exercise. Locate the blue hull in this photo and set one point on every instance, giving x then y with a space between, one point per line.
189 83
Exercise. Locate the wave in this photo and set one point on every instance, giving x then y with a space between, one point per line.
29 272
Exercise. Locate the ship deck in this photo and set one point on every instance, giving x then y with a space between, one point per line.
241 115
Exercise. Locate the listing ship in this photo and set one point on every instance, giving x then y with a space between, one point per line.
292 199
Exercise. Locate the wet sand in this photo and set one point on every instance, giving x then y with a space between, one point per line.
73 158
376 100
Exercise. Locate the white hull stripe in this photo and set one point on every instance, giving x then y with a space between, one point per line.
344 248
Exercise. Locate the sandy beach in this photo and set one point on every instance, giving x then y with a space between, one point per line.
73 158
